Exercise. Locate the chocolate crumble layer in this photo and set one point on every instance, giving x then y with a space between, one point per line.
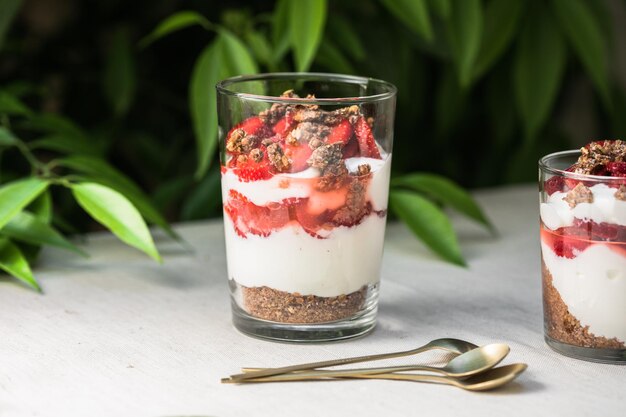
561 325
284 307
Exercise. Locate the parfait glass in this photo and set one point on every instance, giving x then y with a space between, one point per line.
583 246
305 161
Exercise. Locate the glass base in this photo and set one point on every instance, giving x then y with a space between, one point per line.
614 356
357 325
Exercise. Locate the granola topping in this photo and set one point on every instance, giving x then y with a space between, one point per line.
579 194
598 157
621 193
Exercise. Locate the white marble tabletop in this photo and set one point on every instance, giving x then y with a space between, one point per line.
118 335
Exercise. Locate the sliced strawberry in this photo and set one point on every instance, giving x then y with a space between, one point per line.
553 185
616 169
252 125
251 170
567 246
367 143
248 218
298 154
311 223
284 125
351 149
340 133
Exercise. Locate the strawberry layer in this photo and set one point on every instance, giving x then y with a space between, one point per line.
590 276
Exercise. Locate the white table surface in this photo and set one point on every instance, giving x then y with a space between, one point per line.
118 335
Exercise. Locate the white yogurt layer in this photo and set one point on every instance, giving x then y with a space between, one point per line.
556 213
593 286
292 260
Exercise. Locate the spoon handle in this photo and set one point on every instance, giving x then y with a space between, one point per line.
324 376
300 376
335 362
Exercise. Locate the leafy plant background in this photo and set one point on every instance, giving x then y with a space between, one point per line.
107 100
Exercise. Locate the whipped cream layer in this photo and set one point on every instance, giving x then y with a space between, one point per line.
593 286
556 213
291 260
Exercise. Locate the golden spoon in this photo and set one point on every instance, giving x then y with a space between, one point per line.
469 363
455 346
490 379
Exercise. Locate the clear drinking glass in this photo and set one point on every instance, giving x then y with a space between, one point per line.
583 246
305 162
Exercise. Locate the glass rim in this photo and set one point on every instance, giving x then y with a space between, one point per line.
543 165
391 90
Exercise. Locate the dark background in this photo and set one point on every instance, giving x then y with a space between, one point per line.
70 57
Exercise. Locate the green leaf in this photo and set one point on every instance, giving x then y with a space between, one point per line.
428 222
13 262
119 79
54 123
9 104
238 60
349 41
99 171
443 190
260 46
281 35
16 195
465 28
111 209
9 10
28 228
225 57
7 138
306 19
414 14
173 23
538 69
204 199
207 71
67 144
41 207
584 34
330 57
442 7
501 22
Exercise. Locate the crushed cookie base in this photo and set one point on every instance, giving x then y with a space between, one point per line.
562 326
284 307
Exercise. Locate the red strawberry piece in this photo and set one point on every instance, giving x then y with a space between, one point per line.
351 149
284 125
298 154
563 245
250 170
311 223
248 218
252 125
616 169
597 231
365 137
553 185
340 133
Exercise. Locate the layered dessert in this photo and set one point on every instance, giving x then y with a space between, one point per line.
305 201
583 242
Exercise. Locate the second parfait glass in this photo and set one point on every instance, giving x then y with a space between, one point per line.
583 245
